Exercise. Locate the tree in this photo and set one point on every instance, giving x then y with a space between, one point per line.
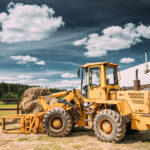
10 95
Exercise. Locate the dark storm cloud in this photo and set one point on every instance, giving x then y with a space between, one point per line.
81 17
88 13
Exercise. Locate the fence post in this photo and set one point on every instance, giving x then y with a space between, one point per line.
17 106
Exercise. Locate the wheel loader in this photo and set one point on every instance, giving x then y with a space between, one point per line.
99 104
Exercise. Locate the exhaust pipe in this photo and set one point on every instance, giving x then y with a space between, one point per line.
147 70
137 82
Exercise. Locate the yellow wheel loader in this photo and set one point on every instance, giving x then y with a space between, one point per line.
99 104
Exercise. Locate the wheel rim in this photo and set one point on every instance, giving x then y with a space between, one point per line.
56 123
105 127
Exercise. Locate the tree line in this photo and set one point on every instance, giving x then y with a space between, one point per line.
8 90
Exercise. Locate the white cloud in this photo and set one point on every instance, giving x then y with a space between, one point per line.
5 78
40 62
80 42
21 62
66 84
114 38
35 79
127 60
144 31
68 75
28 23
95 53
25 59
43 82
42 79
25 77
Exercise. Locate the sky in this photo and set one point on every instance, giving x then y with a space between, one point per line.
43 42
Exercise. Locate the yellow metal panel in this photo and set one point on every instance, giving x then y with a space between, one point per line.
137 100
94 93
42 101
103 85
98 63
139 122
122 105
113 95
123 108
59 94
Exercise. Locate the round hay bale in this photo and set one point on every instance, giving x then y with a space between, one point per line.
30 102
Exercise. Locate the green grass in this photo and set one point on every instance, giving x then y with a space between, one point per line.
42 138
77 147
7 112
4 105
23 139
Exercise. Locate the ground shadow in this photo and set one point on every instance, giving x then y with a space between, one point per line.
81 131
13 121
136 137
129 138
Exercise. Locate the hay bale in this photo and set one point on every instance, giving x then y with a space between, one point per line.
30 102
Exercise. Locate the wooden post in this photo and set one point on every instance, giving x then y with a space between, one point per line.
17 106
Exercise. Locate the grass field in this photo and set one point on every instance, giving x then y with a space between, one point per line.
3 105
79 139
6 113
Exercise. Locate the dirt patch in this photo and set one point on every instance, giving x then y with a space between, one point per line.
80 139
30 102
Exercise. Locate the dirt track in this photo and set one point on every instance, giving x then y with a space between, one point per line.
80 139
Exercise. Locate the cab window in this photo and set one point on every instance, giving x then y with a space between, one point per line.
111 75
94 76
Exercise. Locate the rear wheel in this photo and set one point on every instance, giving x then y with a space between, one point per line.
57 122
109 126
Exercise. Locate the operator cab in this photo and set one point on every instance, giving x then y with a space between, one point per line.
98 79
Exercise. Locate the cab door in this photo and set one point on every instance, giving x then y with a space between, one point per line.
94 83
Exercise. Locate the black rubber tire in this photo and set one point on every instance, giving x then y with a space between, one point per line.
118 126
66 119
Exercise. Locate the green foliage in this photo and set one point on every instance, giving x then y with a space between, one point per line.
55 90
8 90
10 95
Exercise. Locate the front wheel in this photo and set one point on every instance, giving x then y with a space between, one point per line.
109 126
57 122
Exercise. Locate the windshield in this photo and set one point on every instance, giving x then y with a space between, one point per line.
111 75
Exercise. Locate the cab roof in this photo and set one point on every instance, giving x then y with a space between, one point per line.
98 63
